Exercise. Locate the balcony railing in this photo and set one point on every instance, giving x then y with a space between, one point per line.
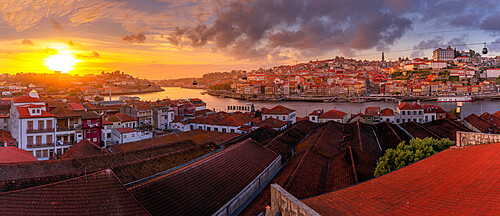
43 130
69 128
40 145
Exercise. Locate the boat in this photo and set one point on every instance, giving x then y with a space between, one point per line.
456 99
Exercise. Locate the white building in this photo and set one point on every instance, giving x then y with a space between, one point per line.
447 54
163 116
437 64
409 112
281 113
387 115
493 73
333 115
33 127
107 130
126 135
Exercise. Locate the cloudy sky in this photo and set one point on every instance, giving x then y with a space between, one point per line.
162 39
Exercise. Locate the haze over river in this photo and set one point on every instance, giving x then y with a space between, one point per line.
304 108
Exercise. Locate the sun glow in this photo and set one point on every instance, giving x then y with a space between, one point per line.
64 61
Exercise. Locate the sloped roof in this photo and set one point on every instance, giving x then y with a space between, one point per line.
100 193
204 187
76 106
333 114
125 130
124 118
25 113
387 112
457 180
5 137
12 154
84 148
278 110
26 99
481 124
373 111
271 122
89 115
61 112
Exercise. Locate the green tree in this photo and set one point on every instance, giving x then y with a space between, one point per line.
404 155
454 112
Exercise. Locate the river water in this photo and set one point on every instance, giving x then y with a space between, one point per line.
304 108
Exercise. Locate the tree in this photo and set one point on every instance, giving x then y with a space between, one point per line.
454 112
405 155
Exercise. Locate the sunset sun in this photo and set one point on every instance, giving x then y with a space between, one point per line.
64 61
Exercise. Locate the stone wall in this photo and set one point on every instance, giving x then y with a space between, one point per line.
286 204
471 138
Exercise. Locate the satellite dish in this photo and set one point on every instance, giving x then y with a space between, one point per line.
485 50
195 83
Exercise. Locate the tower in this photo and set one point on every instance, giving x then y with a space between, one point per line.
383 59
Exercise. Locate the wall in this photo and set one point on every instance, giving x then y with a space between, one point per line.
470 138
287 204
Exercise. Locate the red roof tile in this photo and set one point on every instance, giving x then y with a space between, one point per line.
125 130
26 99
124 118
204 187
278 110
76 106
12 154
481 124
271 122
84 148
24 112
372 111
61 112
100 193
6 138
457 180
333 114
387 112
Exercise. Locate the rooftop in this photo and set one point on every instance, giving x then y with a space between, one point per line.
84 148
12 154
278 110
457 180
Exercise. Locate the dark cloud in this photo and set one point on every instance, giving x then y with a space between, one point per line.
27 42
135 38
56 25
259 26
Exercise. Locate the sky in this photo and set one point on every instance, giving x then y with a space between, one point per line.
164 39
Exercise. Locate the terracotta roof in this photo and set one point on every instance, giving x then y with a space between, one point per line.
457 180
106 122
481 124
89 115
125 130
491 119
5 137
24 112
387 112
124 118
278 110
316 112
372 111
26 99
100 193
12 154
61 112
84 148
271 122
76 106
418 131
204 187
404 106
333 114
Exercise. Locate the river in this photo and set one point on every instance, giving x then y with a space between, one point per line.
304 108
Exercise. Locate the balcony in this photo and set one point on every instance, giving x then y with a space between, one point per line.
42 130
69 128
40 145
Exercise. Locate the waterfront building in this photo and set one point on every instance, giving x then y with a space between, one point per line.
333 115
409 112
281 113
126 135
33 128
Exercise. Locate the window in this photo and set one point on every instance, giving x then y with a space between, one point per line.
49 139
38 140
40 125
414 112
284 117
38 154
45 153
49 125
108 135
88 130
30 140
133 135
216 129
94 130
313 118
224 130
420 112
403 112
124 136
94 140
30 125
